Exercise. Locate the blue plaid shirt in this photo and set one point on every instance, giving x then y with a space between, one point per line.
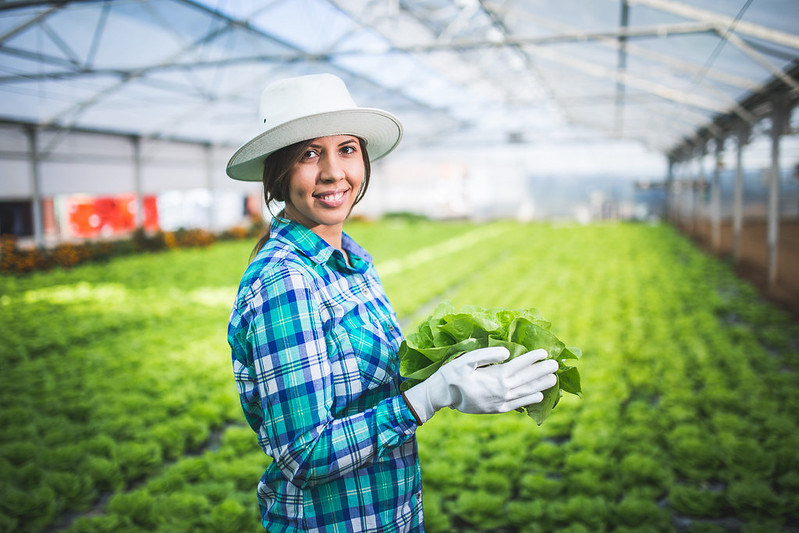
314 344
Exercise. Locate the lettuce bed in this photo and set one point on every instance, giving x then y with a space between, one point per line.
119 413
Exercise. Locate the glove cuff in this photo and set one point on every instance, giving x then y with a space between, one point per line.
416 417
422 400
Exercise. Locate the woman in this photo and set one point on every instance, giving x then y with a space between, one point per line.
314 339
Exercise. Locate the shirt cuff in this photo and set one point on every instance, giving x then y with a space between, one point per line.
404 419
412 410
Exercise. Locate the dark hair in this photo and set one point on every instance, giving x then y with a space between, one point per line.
276 178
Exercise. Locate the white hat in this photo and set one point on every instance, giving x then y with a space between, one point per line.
307 107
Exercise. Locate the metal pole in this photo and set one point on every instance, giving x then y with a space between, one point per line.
36 189
137 181
676 195
715 198
209 183
684 194
699 191
777 122
622 67
738 194
669 189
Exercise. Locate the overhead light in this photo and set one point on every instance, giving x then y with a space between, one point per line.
515 137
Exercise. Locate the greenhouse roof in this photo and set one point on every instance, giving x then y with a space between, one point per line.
461 73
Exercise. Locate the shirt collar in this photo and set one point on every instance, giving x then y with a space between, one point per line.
317 249
355 250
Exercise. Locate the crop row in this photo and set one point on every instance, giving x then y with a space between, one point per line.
119 412
117 375
688 420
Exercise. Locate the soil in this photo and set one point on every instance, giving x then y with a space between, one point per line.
752 264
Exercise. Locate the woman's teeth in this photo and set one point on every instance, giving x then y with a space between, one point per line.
332 197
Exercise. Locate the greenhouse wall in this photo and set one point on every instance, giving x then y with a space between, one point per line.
189 188
763 250
186 180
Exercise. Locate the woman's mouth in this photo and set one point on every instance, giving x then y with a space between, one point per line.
331 198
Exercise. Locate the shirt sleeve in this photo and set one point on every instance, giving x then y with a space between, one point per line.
290 370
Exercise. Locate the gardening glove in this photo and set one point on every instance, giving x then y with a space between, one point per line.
471 384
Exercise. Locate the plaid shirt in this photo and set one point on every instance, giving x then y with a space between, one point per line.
314 344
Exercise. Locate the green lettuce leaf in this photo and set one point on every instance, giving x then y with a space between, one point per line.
448 333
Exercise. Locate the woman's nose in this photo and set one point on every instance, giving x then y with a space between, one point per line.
331 169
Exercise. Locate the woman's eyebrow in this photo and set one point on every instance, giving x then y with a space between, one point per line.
342 143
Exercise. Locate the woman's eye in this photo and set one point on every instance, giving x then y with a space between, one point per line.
348 149
310 154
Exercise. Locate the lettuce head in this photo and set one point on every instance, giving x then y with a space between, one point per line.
449 333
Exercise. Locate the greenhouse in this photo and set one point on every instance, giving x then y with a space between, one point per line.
623 174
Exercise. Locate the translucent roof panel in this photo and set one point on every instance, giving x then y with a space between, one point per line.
459 72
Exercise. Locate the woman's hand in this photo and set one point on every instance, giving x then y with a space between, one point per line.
471 384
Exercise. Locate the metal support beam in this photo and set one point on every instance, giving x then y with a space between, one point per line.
621 68
680 96
28 23
137 181
98 34
765 63
686 193
669 189
742 138
674 199
36 187
25 4
715 197
699 191
741 27
209 183
670 60
576 36
778 116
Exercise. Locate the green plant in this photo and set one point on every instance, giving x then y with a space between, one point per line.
32 509
754 498
639 469
481 508
104 473
75 491
635 511
104 355
588 511
696 454
137 507
448 334
231 516
697 502
138 459
102 524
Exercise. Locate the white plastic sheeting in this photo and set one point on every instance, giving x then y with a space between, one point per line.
508 91
455 71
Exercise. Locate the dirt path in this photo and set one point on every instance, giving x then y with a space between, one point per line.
753 263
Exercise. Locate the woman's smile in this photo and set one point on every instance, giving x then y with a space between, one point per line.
331 198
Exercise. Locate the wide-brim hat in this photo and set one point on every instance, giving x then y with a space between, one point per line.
306 107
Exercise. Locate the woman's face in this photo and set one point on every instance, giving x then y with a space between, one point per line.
324 183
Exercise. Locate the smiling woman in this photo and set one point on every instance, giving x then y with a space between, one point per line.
336 169
327 180
315 340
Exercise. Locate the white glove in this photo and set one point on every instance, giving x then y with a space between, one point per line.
471 384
